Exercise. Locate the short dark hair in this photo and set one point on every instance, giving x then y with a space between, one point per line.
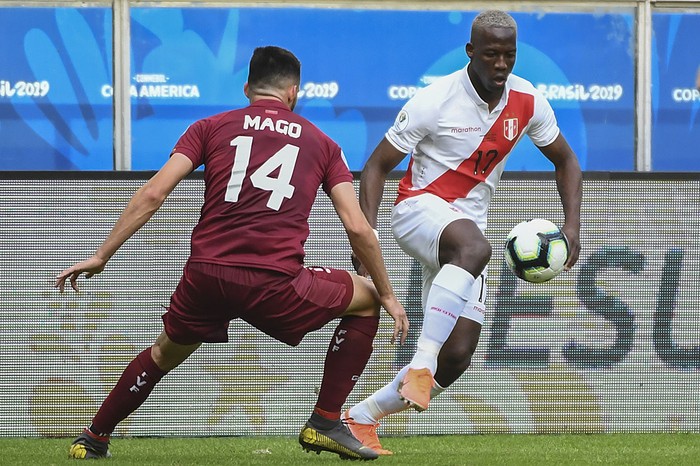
273 67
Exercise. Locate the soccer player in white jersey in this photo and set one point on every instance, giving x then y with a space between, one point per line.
460 131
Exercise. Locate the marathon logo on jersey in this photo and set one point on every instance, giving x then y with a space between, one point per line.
510 128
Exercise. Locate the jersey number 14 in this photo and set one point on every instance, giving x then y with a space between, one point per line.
280 187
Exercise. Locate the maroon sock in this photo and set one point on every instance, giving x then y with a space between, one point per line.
132 389
348 353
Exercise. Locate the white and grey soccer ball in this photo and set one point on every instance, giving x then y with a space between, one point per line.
536 250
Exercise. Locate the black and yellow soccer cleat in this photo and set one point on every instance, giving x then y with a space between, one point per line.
337 440
89 447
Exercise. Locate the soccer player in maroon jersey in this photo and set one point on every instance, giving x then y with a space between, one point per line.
263 166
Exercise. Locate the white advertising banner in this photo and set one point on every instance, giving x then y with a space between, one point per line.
610 346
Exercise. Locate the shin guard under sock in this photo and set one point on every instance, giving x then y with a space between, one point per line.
347 356
447 297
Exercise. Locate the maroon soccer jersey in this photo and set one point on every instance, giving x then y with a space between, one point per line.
263 165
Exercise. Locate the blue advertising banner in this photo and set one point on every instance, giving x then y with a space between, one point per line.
52 114
358 69
676 92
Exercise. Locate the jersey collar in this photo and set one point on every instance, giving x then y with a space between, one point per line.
474 96
274 103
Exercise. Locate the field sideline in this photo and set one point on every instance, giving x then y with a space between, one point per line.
610 449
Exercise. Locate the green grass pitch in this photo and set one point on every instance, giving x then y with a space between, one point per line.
503 450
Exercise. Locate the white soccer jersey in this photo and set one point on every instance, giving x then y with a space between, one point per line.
459 147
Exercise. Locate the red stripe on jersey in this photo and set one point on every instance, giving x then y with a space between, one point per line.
495 146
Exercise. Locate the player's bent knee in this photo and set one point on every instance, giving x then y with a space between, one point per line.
168 355
486 250
479 252
473 261
365 300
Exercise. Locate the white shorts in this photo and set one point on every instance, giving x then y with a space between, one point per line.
417 223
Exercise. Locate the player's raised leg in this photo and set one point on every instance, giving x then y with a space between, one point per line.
453 300
453 252
447 297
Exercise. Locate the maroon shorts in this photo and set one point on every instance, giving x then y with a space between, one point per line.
285 307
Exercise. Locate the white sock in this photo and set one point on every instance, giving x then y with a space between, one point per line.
381 403
385 401
448 295
436 390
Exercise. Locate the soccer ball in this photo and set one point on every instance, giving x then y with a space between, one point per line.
536 250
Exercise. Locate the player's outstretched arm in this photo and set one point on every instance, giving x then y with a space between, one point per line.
570 186
381 162
143 204
365 244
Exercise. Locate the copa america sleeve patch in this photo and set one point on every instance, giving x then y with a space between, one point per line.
401 122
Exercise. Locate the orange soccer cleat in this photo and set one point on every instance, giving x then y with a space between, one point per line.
365 433
415 388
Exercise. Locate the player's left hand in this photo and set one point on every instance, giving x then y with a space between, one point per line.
572 237
90 267
398 313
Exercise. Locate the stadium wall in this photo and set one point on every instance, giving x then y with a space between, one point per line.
102 84
611 346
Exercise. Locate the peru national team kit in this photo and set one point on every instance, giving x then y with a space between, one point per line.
459 150
464 157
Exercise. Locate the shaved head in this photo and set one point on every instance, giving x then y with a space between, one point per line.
492 19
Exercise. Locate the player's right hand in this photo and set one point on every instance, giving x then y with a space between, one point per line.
398 313
90 267
572 239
